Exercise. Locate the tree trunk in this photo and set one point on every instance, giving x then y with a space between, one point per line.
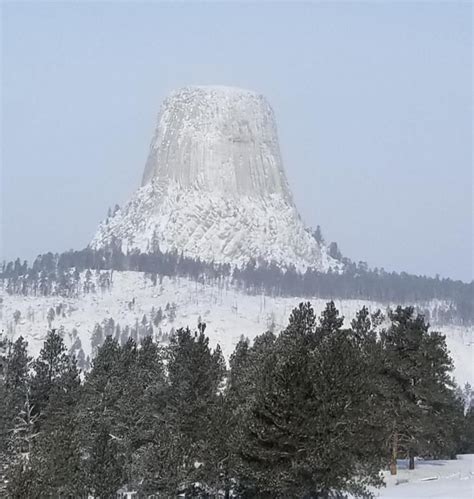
393 457
411 460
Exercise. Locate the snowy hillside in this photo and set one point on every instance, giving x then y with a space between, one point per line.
227 312
442 479
214 187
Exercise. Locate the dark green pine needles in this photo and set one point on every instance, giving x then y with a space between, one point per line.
315 411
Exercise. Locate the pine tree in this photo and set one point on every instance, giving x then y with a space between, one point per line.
51 365
58 449
418 386
195 377
467 436
81 359
97 338
105 468
305 431
22 480
15 389
50 316
142 413
98 410
318 235
158 317
3 414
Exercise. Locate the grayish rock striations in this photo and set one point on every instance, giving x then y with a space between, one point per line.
218 139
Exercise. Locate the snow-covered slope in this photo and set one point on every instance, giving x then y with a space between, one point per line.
214 186
214 227
227 312
441 479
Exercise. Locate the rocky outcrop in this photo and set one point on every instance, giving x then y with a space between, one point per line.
214 186
218 139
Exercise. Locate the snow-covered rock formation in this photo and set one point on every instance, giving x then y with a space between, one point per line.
214 186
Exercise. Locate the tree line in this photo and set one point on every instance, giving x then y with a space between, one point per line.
60 274
315 411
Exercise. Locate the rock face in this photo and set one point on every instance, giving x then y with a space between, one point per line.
218 139
214 186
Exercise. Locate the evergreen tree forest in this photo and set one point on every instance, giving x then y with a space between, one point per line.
60 274
315 411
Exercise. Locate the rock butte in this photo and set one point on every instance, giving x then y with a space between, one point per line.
218 139
214 186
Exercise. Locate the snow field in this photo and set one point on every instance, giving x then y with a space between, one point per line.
443 479
227 312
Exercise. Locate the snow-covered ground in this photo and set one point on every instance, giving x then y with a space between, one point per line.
227 312
432 479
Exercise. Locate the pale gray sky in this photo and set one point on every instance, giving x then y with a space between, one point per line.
373 101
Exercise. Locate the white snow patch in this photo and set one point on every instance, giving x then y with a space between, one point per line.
443 479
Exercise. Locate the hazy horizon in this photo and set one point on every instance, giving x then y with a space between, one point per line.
373 105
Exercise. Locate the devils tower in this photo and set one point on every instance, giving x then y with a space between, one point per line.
214 186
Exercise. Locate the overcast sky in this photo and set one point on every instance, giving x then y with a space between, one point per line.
373 102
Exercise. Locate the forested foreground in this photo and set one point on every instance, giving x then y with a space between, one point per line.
313 412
